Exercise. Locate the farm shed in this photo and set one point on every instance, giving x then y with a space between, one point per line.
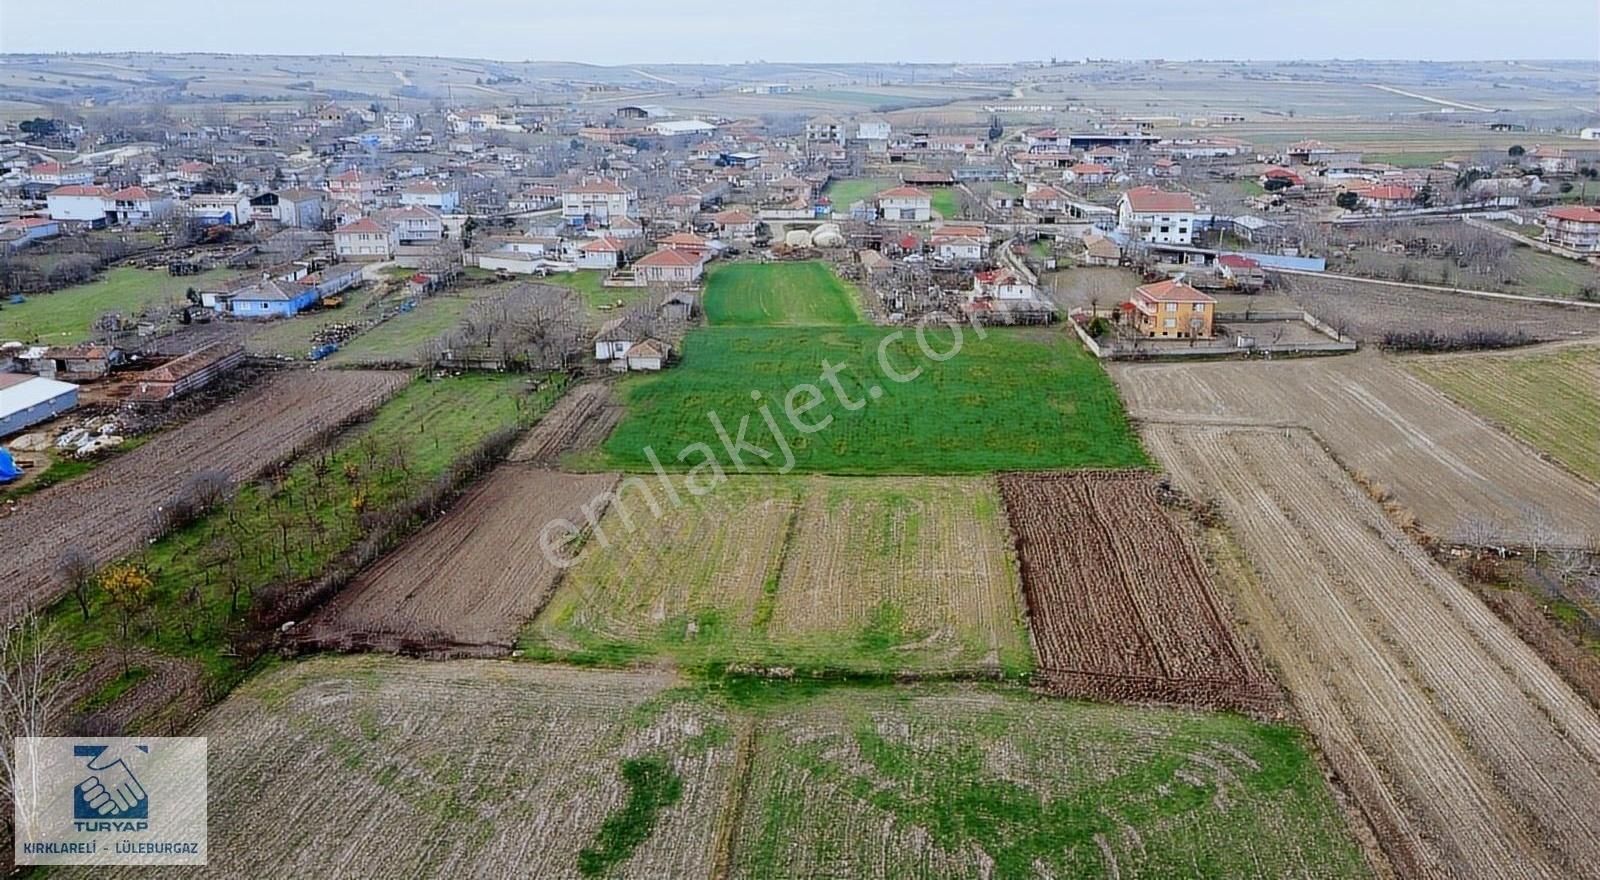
28 400
194 370
650 354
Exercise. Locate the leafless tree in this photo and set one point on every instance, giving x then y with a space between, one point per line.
77 570
30 690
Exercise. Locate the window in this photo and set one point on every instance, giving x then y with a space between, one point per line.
1172 307
1199 307
1170 323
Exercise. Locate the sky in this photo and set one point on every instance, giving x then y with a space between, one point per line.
626 32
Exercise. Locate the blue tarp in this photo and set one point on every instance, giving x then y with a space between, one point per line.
8 467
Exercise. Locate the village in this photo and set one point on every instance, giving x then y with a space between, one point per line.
305 357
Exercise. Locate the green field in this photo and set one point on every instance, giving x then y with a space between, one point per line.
65 316
944 202
806 293
1013 400
398 338
930 782
291 337
1551 400
844 193
861 576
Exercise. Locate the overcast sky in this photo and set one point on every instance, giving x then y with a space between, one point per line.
639 31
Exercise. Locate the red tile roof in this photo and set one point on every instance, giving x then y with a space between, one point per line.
903 192
80 190
1237 261
365 224
1575 214
1149 200
669 258
1173 291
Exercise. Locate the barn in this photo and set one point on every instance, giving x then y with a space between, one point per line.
28 400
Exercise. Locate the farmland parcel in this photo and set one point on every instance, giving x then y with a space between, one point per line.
1011 400
770 294
1469 756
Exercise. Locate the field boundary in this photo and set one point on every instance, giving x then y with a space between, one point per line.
1462 291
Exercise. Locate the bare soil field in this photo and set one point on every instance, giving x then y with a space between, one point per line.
1371 312
1120 604
1469 756
109 511
377 767
469 581
581 421
1453 471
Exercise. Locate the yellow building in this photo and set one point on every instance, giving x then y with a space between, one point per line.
1171 309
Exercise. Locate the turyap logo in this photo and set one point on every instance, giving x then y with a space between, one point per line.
111 791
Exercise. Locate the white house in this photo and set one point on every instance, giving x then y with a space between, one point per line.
18 232
1001 284
56 174
598 200
904 203
354 186
672 267
399 121
224 209
427 194
136 206
1089 174
1576 227
412 224
1155 215
604 252
78 203
365 240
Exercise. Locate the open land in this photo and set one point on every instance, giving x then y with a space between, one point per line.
1120 605
1012 400
1468 755
1449 468
874 576
470 580
1549 399
844 193
1379 313
777 294
579 422
64 317
109 511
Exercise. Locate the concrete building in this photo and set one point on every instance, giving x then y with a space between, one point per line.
904 203
1576 227
1171 309
365 240
1154 215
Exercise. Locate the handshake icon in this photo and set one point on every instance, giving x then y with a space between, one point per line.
111 791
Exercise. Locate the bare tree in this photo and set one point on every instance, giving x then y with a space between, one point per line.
30 689
77 570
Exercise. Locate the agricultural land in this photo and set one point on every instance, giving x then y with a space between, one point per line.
805 293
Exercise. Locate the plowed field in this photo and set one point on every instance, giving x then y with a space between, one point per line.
1440 461
108 512
469 581
1120 604
581 421
1469 755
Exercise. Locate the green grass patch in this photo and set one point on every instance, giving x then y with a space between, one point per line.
1012 400
598 298
65 316
399 338
921 781
806 293
652 787
279 531
844 193
116 687
1551 401
944 201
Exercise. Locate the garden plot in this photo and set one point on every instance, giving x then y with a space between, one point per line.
579 422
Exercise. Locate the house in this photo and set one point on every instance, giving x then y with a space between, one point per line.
1388 197
399 122
1001 284
353 186
1165 168
677 306
598 200
1105 155
78 204
735 224
1042 140
137 206
1289 179
1098 250
285 295
27 400
75 363
604 252
411 224
298 208
1242 271
615 337
687 242
649 354
1553 160
904 203
1171 309
52 174
365 240
1089 174
1310 152
1155 215
1045 200
875 132
221 209
427 194
824 129
671 267
18 232
1575 227
191 173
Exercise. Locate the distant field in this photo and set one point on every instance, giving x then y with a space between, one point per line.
779 293
65 316
844 193
1531 272
1550 400
1418 159
397 339
1013 400
871 576
944 202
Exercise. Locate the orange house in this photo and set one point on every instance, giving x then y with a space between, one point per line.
1171 309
